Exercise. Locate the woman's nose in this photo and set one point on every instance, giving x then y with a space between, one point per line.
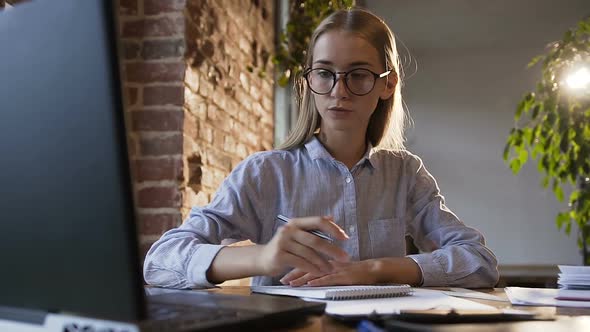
340 90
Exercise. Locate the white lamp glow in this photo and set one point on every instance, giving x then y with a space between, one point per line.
579 79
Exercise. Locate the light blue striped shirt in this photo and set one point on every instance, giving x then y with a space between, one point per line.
383 198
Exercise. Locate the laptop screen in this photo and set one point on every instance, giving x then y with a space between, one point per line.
67 234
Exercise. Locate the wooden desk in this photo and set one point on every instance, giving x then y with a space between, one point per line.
326 323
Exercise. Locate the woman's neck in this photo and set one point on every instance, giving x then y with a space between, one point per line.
345 147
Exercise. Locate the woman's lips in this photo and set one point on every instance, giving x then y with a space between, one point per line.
339 109
339 113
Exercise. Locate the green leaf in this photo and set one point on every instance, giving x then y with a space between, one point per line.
557 191
573 215
536 110
568 228
283 80
535 60
506 152
523 156
515 166
574 196
563 218
527 136
519 110
545 182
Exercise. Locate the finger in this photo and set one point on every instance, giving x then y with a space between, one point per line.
292 275
295 247
333 279
320 245
323 224
304 279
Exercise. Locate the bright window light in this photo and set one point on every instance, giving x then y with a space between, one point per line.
579 79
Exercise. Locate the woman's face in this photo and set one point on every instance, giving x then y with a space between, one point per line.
341 110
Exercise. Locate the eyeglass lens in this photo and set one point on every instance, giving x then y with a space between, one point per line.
359 81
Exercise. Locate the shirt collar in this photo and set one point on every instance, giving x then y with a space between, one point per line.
317 151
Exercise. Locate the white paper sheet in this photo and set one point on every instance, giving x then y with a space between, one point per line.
468 293
422 299
541 297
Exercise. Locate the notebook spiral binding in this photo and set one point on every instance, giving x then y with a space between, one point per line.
369 293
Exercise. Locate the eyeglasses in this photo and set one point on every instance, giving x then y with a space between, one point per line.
358 81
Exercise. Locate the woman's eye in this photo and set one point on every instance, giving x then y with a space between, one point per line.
324 74
358 76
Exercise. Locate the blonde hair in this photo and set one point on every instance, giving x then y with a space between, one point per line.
387 124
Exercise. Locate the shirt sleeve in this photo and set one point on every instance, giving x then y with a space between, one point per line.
454 254
182 256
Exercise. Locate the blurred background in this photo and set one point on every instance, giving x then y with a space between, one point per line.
465 72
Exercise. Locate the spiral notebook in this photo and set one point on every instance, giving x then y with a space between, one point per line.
337 292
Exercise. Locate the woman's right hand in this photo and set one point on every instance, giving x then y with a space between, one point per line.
293 247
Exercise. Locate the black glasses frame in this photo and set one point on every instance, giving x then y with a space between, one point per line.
345 75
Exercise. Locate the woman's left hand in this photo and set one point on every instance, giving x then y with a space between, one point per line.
343 273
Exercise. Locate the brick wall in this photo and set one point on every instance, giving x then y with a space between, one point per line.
197 99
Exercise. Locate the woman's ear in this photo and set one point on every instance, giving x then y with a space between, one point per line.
389 86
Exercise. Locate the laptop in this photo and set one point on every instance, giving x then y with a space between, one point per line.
68 242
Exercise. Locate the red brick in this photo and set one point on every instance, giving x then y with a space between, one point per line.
154 72
130 49
157 224
163 95
131 146
159 146
157 120
154 27
161 49
153 7
158 169
131 96
159 197
127 7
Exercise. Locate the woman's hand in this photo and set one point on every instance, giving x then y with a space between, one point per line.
293 247
371 271
342 273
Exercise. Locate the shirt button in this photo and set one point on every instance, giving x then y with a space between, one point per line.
348 179
351 229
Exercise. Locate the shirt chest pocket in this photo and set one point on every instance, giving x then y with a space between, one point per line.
387 238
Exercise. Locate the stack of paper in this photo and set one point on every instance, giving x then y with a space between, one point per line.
574 277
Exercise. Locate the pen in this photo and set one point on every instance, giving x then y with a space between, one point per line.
314 232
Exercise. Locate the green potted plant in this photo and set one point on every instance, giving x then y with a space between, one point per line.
304 17
552 126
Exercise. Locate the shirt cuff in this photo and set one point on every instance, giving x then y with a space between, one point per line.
421 271
432 271
196 270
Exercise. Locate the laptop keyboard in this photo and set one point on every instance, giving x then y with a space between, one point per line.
179 317
164 311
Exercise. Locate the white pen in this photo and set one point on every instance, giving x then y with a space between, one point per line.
314 232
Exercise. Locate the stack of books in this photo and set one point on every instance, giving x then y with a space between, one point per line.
574 277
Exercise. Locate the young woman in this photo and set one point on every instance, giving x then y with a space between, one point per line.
343 171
